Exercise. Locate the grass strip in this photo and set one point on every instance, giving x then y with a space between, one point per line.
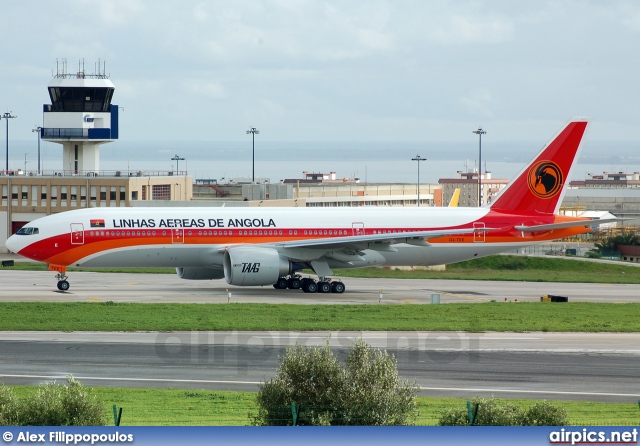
477 317
181 407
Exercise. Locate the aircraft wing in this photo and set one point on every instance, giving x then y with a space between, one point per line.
568 224
363 241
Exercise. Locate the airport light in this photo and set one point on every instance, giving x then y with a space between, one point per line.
418 158
37 129
254 131
7 116
479 132
177 159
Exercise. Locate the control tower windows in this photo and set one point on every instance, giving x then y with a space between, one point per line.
80 99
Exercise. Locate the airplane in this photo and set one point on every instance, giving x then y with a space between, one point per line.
270 246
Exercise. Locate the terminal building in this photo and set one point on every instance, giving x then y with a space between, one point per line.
617 192
317 190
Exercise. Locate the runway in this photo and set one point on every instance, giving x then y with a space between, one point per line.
167 288
558 366
564 366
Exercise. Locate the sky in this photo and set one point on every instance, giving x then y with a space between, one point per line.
310 70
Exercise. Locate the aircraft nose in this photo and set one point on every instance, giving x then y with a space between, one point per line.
12 244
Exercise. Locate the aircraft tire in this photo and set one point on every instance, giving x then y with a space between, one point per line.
293 283
281 284
337 287
310 287
63 285
324 287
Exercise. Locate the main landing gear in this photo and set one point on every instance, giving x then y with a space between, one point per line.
63 284
309 285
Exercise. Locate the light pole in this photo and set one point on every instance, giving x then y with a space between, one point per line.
479 132
7 116
177 159
38 129
254 131
418 158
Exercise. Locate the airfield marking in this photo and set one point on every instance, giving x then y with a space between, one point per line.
462 296
533 392
101 378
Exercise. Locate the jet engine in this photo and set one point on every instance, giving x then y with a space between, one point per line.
196 273
246 266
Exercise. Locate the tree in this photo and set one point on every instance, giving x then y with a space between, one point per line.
374 394
368 391
608 247
310 377
627 238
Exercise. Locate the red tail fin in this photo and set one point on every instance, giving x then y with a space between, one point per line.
539 187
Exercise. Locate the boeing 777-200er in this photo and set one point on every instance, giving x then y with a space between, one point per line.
270 246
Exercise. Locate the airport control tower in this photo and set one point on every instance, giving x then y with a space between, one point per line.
80 117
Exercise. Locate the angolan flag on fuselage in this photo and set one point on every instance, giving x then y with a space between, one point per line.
97 223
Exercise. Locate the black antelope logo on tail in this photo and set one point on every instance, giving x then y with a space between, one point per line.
545 179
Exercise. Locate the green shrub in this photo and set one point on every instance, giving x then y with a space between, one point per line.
54 405
491 412
545 413
9 407
366 392
312 378
374 394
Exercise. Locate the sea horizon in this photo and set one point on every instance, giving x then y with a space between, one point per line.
371 162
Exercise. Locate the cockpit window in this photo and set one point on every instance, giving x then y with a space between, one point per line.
27 231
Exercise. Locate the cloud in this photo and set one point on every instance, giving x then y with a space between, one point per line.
200 87
478 103
473 29
117 12
333 69
629 15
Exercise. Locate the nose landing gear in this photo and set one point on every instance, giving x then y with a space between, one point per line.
63 284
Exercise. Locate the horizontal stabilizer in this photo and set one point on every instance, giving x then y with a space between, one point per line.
569 224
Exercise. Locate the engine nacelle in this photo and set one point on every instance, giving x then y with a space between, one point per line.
200 273
250 265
